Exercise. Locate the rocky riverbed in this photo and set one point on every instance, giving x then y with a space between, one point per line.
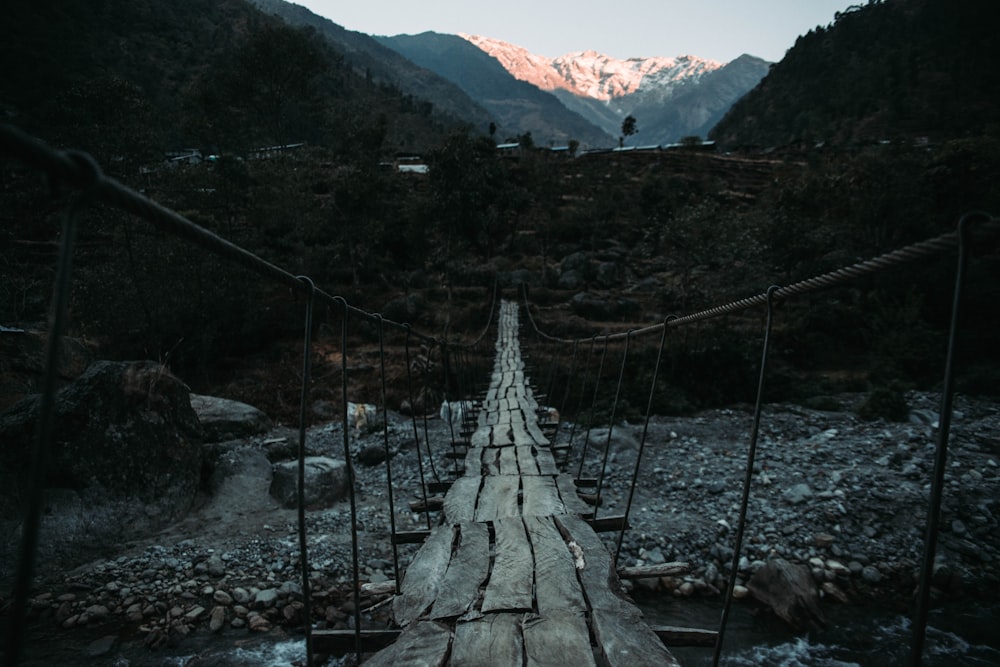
844 496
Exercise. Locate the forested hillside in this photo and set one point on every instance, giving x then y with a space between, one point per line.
131 80
892 69
603 241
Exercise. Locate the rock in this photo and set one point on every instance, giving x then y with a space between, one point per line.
871 574
265 598
222 597
23 359
194 614
830 589
216 567
608 274
126 441
740 592
258 623
101 646
789 590
798 494
571 280
217 618
325 482
371 455
224 419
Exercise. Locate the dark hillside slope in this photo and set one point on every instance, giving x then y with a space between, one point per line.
383 64
891 69
131 79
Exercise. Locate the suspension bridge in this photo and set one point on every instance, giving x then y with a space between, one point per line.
514 573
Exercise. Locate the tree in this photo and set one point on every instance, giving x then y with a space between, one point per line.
628 129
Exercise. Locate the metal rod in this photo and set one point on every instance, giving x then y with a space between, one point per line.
747 479
579 406
388 455
593 406
941 453
611 425
45 426
416 435
301 486
350 482
642 439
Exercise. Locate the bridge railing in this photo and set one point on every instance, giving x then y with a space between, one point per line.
451 358
593 358
597 354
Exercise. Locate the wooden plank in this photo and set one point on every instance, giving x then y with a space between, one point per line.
460 503
425 644
420 584
647 571
498 499
492 641
510 586
508 461
556 585
410 536
557 639
527 462
546 463
609 524
672 635
624 637
468 568
342 642
541 497
570 499
474 462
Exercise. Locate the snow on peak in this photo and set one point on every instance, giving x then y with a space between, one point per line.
592 74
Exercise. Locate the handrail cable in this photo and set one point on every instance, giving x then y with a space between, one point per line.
65 166
909 253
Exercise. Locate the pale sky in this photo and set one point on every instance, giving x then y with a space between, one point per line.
718 29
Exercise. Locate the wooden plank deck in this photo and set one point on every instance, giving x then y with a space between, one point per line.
515 575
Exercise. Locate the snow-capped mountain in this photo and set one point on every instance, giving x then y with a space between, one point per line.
592 74
658 91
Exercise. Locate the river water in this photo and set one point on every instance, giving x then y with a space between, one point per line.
959 635
964 635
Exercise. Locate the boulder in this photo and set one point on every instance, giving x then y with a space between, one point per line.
22 362
325 482
224 419
790 591
125 458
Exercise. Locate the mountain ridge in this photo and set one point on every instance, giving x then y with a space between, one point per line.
672 97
